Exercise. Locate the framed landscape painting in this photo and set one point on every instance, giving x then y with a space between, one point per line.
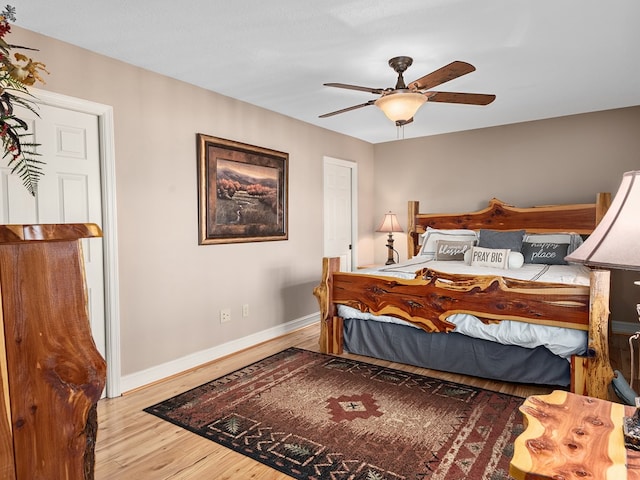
242 192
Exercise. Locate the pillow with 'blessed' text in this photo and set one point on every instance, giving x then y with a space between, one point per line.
432 235
452 249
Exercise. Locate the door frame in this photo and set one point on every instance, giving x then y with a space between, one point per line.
104 113
354 204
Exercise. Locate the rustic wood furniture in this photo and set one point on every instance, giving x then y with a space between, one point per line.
573 436
51 374
430 297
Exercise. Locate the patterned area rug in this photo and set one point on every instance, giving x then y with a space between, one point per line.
315 416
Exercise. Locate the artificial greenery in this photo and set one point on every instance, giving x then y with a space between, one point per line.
15 76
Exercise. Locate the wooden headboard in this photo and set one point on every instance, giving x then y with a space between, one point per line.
577 218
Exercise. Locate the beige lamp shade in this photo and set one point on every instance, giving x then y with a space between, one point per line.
390 224
615 243
400 106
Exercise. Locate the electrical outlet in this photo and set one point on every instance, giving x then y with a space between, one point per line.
225 315
245 310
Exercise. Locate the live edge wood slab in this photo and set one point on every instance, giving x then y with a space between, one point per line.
51 374
571 437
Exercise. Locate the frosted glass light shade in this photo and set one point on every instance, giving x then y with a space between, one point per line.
400 106
615 243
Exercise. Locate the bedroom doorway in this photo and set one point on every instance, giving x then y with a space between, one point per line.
68 192
340 211
78 186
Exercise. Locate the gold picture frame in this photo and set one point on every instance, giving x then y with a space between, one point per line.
242 192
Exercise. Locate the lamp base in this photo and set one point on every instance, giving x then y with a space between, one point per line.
390 260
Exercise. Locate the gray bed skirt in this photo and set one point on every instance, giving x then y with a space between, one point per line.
454 352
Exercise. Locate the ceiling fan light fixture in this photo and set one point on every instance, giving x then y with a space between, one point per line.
400 106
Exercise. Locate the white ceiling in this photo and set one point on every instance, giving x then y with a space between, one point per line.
541 58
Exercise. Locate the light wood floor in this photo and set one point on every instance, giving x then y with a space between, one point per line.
135 445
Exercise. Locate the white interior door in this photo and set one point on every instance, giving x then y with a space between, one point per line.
340 185
68 192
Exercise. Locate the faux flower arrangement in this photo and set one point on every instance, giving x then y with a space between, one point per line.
15 76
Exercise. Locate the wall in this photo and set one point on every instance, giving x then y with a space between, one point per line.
560 160
171 289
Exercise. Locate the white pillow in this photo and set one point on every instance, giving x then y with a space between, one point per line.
490 257
432 235
516 259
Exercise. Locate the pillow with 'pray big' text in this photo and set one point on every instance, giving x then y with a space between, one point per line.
516 259
490 257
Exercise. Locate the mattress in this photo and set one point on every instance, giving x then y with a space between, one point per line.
563 342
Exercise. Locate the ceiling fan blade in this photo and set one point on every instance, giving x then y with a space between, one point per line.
348 109
456 97
445 74
377 91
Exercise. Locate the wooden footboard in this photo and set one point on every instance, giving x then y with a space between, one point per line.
431 297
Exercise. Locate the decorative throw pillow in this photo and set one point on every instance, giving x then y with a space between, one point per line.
501 240
547 253
432 235
574 240
490 257
452 249
516 259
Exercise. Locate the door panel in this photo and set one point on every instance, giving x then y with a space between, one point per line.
68 191
338 211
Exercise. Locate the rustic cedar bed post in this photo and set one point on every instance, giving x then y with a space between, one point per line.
51 374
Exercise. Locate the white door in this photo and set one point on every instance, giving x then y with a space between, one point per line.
339 211
68 191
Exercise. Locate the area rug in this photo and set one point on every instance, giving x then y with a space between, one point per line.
315 416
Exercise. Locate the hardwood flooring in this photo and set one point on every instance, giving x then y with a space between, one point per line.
133 444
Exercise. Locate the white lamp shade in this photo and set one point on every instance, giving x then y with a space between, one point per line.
390 224
400 106
615 243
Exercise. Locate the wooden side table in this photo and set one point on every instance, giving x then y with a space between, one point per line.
570 436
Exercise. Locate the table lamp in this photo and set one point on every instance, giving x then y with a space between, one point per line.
389 225
614 244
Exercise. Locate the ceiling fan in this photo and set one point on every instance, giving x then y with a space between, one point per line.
402 102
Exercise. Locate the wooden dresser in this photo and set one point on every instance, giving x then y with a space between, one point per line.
51 374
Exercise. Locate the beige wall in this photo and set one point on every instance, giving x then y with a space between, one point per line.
172 289
558 160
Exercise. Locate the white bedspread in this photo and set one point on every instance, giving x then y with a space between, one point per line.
563 342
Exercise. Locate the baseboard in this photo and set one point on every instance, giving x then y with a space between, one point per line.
151 375
625 327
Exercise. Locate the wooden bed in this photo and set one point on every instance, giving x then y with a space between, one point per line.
428 299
